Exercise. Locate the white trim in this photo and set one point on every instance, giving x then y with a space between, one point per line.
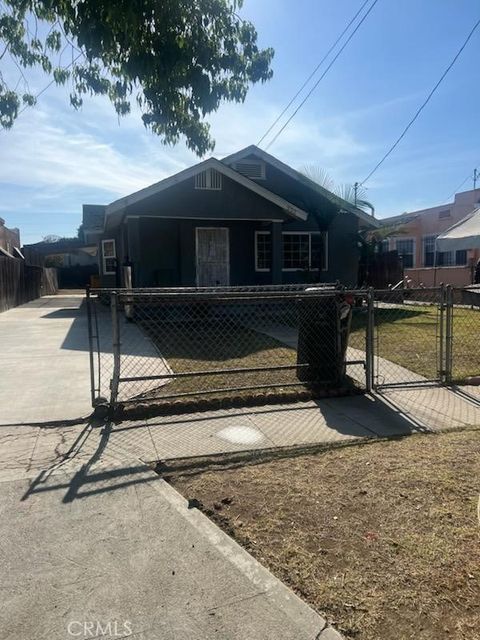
228 252
262 233
253 150
104 259
138 196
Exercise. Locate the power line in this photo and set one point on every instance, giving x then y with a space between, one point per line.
312 73
42 91
475 177
323 75
420 109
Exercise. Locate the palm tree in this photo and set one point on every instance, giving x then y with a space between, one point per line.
353 193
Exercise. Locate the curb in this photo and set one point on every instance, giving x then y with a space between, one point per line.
311 624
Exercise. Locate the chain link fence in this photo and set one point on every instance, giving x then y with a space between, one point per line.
169 347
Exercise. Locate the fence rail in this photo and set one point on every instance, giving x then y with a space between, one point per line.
164 346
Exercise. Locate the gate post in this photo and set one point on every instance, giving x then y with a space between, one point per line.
369 341
441 331
90 344
115 347
449 336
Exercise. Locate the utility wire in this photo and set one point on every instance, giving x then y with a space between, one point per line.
323 75
313 73
45 88
420 109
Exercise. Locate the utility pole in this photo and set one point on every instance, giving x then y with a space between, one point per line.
475 178
355 191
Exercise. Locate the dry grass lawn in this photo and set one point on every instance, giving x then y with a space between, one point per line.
407 335
381 538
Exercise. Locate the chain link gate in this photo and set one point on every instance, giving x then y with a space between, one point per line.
413 334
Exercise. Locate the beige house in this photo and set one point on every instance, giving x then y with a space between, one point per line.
415 242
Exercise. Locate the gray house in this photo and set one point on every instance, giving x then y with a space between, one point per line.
248 219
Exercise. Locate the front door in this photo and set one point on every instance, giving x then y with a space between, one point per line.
213 257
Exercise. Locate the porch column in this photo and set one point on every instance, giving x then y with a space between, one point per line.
133 247
277 252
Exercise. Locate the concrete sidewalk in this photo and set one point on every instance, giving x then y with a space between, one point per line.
44 361
93 536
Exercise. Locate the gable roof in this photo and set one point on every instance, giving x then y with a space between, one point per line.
93 216
212 163
296 175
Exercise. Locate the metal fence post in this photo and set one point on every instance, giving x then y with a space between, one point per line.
115 347
441 337
90 344
449 336
369 341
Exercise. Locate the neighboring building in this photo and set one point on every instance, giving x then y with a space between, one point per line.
248 219
75 261
415 242
65 252
9 241
93 223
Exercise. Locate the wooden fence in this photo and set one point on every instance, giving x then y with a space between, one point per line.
20 283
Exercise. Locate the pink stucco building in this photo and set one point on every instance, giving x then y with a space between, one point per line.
416 242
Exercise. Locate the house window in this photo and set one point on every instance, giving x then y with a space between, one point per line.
210 179
251 169
445 259
444 214
109 257
429 251
304 250
461 257
263 250
406 249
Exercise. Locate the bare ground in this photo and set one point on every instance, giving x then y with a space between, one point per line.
381 538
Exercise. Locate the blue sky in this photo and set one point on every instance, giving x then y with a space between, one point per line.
55 159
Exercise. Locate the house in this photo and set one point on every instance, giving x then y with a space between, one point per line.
248 219
415 242
9 241
75 260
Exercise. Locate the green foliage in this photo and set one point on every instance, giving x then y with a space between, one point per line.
178 59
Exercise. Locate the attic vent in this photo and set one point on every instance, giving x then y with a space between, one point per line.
209 179
251 169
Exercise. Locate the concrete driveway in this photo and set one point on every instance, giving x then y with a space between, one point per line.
44 361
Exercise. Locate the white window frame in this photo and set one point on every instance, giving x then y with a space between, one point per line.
260 233
105 258
310 234
402 239
210 185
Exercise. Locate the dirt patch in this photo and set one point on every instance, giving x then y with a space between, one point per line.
380 538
